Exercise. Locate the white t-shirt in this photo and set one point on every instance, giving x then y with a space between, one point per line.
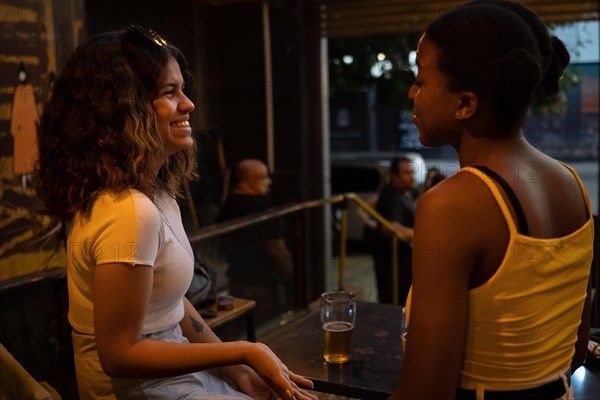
129 228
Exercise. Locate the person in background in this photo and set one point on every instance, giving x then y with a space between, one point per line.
260 264
432 178
499 307
115 142
396 204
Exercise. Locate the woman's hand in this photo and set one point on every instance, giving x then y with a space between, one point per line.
263 371
276 375
248 382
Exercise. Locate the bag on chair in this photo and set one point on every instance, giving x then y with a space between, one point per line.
203 289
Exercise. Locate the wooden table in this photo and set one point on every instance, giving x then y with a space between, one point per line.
377 356
242 308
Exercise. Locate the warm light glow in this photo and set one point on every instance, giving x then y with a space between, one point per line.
380 56
380 68
412 62
579 375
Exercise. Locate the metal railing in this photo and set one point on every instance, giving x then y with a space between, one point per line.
396 235
230 226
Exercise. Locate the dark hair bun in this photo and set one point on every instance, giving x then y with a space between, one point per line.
510 57
560 59
515 76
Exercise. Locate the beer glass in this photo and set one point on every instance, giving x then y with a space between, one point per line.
338 313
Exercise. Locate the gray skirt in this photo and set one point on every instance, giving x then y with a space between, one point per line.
93 383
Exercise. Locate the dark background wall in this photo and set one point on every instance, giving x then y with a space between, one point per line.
224 45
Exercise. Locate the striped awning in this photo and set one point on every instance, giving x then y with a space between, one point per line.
341 18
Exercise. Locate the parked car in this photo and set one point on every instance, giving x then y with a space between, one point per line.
365 177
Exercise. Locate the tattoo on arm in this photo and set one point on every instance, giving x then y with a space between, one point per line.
197 325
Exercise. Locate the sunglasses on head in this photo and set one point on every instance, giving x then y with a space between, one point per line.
146 35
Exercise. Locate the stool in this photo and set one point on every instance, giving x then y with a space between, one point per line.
242 308
16 382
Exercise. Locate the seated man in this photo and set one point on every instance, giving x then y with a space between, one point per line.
260 265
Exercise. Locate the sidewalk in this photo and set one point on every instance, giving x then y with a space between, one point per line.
359 276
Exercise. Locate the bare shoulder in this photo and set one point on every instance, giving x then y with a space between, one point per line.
553 201
462 219
461 199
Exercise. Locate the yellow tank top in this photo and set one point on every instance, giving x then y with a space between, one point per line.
522 323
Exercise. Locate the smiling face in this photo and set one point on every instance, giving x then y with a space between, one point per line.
434 103
173 108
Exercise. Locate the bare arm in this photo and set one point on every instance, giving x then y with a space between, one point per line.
404 231
365 216
193 326
121 295
452 249
246 379
439 307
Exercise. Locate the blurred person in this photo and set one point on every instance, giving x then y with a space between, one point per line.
432 178
499 307
396 204
115 142
260 264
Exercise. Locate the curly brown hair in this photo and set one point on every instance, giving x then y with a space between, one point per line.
98 130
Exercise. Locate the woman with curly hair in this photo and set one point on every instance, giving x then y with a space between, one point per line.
115 142
502 251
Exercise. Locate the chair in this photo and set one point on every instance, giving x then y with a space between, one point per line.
17 384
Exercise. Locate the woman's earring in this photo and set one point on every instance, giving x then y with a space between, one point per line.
458 114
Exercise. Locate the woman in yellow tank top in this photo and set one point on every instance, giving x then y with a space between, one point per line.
502 250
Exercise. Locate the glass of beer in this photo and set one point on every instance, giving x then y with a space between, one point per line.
338 313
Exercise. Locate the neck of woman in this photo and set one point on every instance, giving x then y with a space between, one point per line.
489 151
